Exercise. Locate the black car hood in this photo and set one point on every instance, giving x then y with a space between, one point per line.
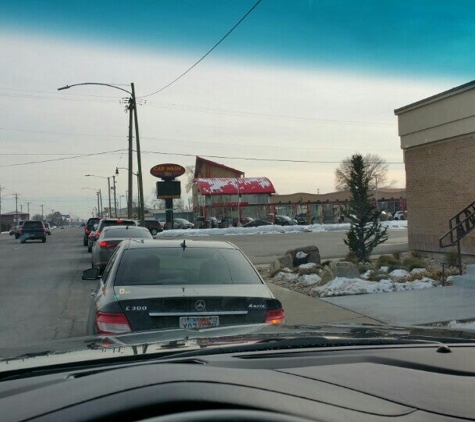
155 344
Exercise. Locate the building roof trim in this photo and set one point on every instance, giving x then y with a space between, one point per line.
204 160
437 97
233 186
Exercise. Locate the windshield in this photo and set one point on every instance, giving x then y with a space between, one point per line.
310 162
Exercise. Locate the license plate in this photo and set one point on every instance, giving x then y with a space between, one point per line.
199 322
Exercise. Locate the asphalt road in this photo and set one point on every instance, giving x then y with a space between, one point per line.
43 297
42 294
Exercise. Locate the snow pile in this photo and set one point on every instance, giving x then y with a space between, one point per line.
399 274
307 266
354 286
273 229
301 255
462 325
310 279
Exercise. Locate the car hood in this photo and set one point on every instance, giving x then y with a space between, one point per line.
160 343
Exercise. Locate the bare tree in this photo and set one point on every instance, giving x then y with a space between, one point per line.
376 170
190 176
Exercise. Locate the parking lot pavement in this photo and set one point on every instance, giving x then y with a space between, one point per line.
305 310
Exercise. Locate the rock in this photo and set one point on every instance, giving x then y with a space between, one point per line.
304 255
310 268
345 269
285 262
310 279
326 275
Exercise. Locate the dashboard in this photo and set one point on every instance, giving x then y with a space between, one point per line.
370 383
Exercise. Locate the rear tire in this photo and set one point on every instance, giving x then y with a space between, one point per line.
43 240
91 329
84 242
154 232
16 236
23 241
89 249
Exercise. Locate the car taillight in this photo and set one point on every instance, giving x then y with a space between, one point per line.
112 323
106 244
97 234
43 229
275 316
87 230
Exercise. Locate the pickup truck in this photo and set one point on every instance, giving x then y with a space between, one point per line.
32 230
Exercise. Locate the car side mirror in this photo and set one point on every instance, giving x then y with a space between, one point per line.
91 274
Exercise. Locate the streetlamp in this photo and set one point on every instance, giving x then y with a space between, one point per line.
132 107
99 200
108 188
238 203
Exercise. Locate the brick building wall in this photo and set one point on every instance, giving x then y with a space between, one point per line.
440 181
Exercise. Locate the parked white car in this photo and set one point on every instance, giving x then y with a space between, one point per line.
399 215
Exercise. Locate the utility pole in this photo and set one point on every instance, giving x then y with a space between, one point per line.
98 204
131 161
42 214
28 208
139 161
16 208
109 189
102 207
115 198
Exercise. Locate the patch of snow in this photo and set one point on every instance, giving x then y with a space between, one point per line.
310 278
367 274
341 286
384 269
308 265
418 271
272 229
462 325
301 255
399 274
285 276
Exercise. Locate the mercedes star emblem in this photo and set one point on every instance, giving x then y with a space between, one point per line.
200 305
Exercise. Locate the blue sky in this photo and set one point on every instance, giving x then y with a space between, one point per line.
298 80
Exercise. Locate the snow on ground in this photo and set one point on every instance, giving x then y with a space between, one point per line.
274 229
354 286
462 325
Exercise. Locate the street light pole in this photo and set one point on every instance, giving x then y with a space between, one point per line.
115 198
132 104
131 161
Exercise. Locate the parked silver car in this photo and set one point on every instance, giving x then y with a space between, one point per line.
108 240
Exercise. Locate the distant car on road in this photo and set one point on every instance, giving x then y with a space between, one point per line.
48 228
32 230
170 284
15 230
301 218
109 239
89 227
106 222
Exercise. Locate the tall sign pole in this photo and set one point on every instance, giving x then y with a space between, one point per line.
131 161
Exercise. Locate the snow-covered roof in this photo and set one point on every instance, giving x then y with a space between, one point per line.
233 186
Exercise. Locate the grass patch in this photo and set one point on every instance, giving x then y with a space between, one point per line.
452 259
388 261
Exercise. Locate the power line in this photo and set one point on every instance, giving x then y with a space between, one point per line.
202 58
63 158
277 160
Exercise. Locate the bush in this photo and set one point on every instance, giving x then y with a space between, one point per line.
351 257
411 263
416 254
388 261
397 255
452 259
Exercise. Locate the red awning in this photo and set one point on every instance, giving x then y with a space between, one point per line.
232 186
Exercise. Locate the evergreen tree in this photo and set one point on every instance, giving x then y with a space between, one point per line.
366 231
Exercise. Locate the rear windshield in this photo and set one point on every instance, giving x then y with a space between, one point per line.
173 266
107 223
134 232
33 224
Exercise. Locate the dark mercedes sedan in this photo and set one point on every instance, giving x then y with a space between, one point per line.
161 284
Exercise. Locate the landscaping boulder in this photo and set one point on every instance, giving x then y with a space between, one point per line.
345 269
285 262
326 275
304 255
